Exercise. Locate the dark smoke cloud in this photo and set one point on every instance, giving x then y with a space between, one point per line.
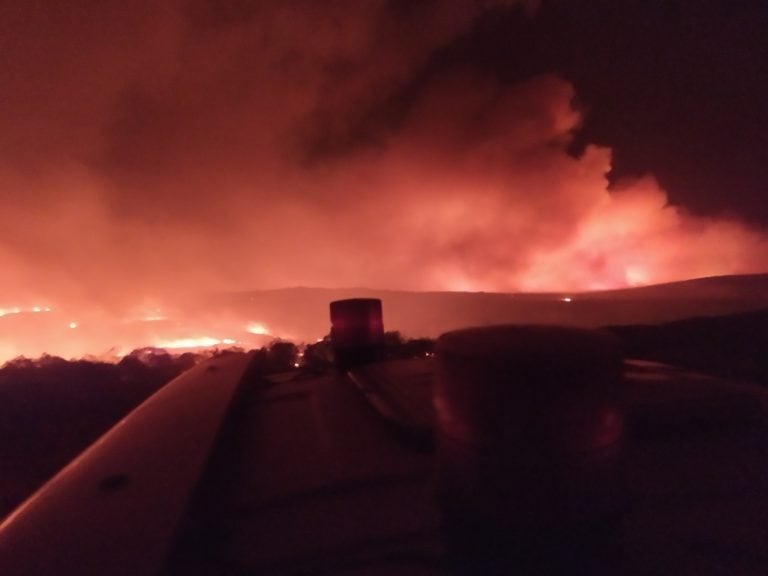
156 149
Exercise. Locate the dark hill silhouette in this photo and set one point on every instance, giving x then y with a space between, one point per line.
733 346
301 314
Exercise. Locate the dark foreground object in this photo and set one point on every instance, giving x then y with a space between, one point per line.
357 331
731 346
304 475
531 445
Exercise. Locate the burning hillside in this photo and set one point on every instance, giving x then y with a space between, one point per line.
182 148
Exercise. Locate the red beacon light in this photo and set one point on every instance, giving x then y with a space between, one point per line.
357 330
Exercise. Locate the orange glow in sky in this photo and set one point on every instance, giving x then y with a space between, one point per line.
148 161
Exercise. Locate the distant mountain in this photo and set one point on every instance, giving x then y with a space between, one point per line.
742 287
301 314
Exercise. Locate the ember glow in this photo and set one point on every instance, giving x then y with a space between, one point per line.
182 148
257 328
193 343
20 310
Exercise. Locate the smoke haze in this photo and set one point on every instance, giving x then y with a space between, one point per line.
156 149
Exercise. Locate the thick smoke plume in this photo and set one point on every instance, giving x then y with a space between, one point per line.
159 149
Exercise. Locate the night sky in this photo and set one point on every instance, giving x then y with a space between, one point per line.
149 149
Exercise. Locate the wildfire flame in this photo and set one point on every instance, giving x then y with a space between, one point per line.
192 343
21 310
257 328
208 150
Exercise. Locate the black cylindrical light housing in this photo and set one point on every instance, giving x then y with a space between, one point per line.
357 330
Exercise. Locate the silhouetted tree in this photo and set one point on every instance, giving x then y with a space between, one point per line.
281 357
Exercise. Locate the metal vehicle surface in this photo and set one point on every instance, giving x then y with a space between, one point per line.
225 471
